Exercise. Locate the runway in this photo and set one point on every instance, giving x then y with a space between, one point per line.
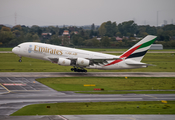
17 92
88 74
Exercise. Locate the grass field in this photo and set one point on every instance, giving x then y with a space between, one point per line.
109 83
5 49
145 107
165 62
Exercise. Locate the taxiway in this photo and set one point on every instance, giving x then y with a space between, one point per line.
17 92
88 74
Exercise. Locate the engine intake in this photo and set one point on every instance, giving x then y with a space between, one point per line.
64 62
82 62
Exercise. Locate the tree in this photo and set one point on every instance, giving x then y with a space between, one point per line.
13 42
35 38
25 29
4 28
108 29
35 29
128 28
75 39
80 41
169 27
95 42
105 41
91 34
82 33
17 33
93 27
65 40
17 27
118 34
5 37
102 29
151 30
111 28
29 37
55 40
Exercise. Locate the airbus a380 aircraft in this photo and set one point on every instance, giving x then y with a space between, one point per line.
81 59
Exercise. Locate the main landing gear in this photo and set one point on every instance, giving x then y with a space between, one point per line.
78 70
20 59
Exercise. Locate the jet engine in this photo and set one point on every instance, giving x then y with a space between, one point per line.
82 62
64 62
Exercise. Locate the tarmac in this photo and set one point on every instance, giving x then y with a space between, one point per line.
21 89
88 74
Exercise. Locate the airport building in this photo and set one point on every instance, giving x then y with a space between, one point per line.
156 47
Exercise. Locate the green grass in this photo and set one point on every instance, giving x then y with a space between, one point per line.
5 49
141 107
108 83
9 63
165 62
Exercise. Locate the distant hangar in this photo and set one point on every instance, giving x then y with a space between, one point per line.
156 47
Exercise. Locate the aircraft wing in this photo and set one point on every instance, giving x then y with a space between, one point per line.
93 61
98 61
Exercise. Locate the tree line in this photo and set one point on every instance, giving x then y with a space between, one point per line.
100 36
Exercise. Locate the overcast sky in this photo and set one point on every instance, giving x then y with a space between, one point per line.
86 12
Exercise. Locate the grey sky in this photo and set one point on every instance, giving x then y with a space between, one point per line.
86 12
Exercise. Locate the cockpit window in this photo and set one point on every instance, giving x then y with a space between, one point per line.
18 46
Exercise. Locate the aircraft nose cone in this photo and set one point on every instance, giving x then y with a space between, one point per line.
14 50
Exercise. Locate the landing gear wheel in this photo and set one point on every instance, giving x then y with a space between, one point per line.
20 60
75 69
78 70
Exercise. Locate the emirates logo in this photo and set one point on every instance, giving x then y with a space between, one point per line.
30 49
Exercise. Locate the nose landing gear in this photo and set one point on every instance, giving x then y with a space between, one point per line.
78 70
20 59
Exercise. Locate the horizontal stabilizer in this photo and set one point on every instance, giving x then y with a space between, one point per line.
136 63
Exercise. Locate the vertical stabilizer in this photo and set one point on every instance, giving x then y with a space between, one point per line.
138 51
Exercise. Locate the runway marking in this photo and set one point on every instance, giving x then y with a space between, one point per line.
130 118
5 88
27 90
150 96
62 117
14 84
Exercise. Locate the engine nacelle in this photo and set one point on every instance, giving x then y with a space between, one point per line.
82 62
64 62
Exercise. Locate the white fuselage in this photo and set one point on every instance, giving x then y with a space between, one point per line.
46 51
